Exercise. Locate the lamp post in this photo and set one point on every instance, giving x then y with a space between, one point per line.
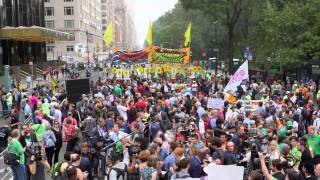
87 33
216 49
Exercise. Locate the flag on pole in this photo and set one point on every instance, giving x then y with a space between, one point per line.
149 36
108 35
187 36
241 74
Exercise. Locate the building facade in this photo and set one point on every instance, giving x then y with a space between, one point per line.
125 27
82 18
18 13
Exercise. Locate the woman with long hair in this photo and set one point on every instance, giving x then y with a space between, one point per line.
150 172
58 133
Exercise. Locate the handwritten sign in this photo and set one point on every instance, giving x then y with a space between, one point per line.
215 103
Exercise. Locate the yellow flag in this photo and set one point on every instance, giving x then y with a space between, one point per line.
149 36
54 83
187 36
108 35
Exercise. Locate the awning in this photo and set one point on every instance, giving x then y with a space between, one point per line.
34 34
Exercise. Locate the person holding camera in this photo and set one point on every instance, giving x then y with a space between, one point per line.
119 164
38 164
276 169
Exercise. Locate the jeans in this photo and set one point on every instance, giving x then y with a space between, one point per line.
19 172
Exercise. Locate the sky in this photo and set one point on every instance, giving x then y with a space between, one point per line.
146 10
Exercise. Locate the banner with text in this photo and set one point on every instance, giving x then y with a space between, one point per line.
241 74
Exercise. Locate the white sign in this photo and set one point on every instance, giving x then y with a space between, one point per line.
215 103
241 74
252 105
225 172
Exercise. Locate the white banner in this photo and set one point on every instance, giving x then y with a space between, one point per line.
241 74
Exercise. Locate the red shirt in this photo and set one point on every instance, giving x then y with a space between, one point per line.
141 104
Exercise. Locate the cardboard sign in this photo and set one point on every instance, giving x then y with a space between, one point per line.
215 103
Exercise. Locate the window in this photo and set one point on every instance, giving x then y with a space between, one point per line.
68 0
68 24
68 10
49 48
50 24
49 11
70 48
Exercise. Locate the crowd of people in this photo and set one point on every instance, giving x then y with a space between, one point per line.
149 129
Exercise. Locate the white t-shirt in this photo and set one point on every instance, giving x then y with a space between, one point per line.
123 112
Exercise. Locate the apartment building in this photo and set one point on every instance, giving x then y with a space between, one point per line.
82 18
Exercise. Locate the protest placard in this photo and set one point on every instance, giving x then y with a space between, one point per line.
215 103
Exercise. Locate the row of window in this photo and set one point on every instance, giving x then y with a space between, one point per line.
49 11
64 0
69 48
68 24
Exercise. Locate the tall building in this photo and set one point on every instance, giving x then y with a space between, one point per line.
125 33
82 18
108 16
19 41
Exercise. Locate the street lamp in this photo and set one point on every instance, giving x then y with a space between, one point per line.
87 33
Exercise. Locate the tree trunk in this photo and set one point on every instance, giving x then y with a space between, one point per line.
230 47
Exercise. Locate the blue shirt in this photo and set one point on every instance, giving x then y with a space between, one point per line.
200 111
213 122
27 109
195 169
169 162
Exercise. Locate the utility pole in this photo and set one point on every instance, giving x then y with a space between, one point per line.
87 33
215 49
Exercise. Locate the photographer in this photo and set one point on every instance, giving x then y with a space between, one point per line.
276 169
37 165
119 164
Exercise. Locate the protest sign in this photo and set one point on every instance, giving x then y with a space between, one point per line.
225 172
215 103
251 105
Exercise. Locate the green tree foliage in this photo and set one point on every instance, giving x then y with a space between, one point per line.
228 11
287 31
169 29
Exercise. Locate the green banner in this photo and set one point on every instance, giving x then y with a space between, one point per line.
167 58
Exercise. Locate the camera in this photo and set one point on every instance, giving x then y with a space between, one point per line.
134 151
35 149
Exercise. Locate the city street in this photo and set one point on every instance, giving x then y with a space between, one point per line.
209 89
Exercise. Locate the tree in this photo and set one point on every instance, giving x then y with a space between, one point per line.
228 11
169 30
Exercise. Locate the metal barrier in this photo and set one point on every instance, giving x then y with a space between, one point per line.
5 171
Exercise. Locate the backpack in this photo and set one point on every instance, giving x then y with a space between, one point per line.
48 141
182 177
10 158
55 172
120 172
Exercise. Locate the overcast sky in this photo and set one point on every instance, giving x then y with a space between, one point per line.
146 10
